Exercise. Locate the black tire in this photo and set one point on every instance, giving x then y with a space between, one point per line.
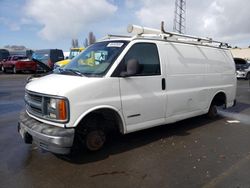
90 135
14 70
212 112
3 69
95 139
248 76
33 72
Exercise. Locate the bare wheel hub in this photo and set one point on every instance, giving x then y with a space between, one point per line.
95 140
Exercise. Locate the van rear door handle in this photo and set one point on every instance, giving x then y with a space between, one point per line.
163 84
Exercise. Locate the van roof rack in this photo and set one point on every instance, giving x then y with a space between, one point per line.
150 33
166 35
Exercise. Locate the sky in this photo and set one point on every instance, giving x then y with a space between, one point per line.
40 24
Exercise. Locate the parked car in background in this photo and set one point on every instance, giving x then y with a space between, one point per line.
73 53
18 63
48 56
242 68
4 54
27 53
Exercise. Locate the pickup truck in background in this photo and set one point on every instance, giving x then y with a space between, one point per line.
18 63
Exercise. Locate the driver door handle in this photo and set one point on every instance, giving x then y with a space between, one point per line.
163 84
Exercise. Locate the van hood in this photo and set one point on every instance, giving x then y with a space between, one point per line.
60 85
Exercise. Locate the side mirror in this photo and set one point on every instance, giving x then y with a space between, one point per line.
132 68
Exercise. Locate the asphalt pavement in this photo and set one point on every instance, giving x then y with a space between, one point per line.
192 153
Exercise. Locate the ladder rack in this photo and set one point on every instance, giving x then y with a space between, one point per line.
148 32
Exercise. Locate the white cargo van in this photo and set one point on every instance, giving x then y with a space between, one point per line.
127 84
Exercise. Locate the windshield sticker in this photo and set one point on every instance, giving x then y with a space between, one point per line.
115 44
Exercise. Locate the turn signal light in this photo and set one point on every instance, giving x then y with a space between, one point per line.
62 110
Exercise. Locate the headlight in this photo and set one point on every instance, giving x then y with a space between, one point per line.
57 109
53 103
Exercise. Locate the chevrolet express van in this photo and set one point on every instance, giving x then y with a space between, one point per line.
133 83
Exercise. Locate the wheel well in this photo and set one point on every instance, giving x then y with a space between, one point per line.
219 99
109 117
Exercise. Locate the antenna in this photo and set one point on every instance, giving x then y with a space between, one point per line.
179 16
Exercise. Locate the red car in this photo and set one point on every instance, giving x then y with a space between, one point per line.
18 63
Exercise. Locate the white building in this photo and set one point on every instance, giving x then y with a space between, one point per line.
241 53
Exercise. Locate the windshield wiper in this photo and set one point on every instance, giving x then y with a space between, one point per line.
75 72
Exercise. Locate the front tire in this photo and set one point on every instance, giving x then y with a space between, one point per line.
91 134
3 69
95 140
248 76
14 70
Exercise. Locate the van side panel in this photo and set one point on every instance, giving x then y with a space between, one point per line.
185 67
195 74
220 74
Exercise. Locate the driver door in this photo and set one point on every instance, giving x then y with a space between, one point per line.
142 94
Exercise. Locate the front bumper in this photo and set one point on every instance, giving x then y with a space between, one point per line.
241 74
48 137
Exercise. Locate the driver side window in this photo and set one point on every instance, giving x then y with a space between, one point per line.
146 55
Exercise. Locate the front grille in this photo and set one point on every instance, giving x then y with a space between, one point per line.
36 104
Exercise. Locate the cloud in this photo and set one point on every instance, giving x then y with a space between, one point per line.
13 26
151 13
227 19
219 19
60 19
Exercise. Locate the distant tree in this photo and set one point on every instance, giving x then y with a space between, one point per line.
86 43
91 39
236 47
74 43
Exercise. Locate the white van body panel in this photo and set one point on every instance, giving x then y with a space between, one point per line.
194 74
83 94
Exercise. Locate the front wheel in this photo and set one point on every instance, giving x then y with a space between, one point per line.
14 70
95 140
3 69
91 134
212 112
248 76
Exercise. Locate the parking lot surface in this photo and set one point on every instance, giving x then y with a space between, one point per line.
192 153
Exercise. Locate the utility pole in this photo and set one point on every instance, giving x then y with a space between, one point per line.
180 16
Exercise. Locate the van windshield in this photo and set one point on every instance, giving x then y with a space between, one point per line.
96 59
